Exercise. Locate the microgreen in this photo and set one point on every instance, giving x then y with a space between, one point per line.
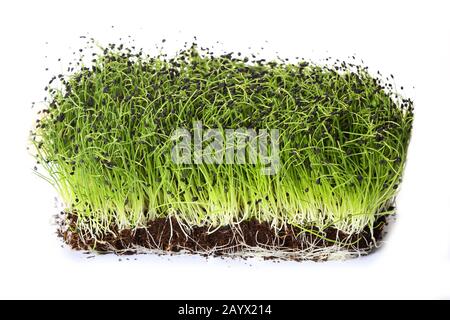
104 141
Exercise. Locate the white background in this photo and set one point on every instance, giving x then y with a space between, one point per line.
406 38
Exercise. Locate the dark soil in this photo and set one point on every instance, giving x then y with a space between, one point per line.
167 234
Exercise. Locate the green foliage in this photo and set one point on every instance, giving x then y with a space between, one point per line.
104 141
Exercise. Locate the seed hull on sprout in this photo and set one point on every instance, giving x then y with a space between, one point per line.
105 139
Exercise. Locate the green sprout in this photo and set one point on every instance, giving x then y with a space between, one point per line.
105 140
